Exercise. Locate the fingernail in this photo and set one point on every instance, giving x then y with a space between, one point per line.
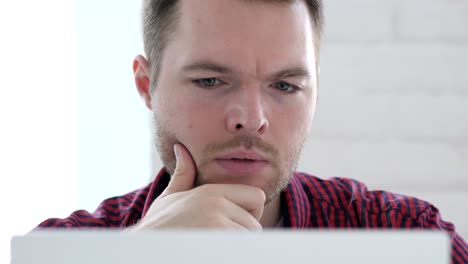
176 151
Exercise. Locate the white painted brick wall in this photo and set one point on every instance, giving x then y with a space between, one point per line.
393 100
435 20
380 117
400 67
389 163
353 24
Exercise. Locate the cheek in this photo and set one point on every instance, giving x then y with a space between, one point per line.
190 115
293 115
290 125
197 125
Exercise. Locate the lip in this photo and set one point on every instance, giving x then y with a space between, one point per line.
242 162
248 155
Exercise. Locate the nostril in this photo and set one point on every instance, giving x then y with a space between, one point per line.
238 126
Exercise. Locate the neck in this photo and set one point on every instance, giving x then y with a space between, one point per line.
271 213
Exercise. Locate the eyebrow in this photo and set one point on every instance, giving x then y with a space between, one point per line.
293 72
207 66
297 71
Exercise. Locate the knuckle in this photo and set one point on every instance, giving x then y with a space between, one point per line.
259 194
206 200
206 188
215 220
202 188
215 202
257 226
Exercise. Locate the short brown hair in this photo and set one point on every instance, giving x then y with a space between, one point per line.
159 17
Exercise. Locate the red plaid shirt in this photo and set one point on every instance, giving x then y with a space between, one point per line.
308 202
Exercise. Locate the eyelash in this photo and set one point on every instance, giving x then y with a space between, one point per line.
294 88
199 83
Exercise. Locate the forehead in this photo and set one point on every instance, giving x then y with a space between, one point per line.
247 35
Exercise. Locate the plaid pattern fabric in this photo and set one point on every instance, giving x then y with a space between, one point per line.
308 202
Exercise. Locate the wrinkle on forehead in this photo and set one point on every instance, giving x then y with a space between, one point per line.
254 38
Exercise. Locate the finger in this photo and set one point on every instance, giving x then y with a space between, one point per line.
184 174
241 216
231 225
248 197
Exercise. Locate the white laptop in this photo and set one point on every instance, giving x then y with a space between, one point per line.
214 247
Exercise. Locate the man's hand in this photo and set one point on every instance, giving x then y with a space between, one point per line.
219 206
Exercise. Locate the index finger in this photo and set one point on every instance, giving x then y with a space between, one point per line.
248 197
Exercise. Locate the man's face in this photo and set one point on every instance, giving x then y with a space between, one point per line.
237 87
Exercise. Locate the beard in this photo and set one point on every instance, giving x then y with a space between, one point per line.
277 182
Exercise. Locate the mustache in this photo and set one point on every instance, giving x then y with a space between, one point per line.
247 142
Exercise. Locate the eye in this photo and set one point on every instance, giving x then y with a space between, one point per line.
285 87
207 82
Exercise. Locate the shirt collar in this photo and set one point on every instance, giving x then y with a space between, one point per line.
159 184
295 206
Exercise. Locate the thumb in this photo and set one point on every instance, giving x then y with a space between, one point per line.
184 174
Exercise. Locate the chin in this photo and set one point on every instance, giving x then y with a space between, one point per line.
218 178
270 181
214 174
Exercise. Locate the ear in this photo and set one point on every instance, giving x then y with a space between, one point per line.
141 71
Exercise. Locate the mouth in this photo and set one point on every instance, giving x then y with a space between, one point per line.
242 162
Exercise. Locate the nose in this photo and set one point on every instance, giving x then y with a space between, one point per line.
246 113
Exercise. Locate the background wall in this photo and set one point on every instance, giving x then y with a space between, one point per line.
113 124
393 100
37 115
73 130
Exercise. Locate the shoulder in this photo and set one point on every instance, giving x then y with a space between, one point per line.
354 199
117 212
